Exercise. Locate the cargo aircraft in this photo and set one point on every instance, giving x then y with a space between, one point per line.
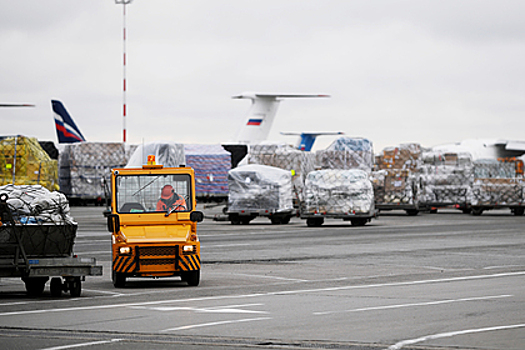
485 149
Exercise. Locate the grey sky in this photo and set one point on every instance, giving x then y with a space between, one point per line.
398 71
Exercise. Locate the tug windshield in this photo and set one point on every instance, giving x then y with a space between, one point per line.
153 193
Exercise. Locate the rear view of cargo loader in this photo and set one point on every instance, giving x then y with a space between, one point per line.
154 224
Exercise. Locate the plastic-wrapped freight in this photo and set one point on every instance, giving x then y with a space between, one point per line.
284 156
24 162
347 153
41 221
346 194
446 180
211 164
259 190
396 184
169 154
85 167
498 184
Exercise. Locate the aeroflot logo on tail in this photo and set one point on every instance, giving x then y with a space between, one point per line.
254 122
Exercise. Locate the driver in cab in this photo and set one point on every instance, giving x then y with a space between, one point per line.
170 200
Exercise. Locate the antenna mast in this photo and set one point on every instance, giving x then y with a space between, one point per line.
124 3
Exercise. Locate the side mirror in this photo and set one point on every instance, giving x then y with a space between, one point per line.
196 216
113 223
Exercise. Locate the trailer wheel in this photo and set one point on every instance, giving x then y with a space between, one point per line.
191 277
246 221
56 287
412 212
285 220
477 211
276 220
314 222
75 286
35 285
358 222
119 279
518 211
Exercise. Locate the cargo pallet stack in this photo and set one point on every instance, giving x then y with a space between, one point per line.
85 167
498 184
341 188
446 181
396 178
37 235
24 162
259 190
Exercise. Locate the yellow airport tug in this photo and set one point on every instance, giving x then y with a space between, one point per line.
153 222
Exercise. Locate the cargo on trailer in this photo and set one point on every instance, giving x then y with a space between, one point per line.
260 190
396 178
498 184
338 194
37 235
446 181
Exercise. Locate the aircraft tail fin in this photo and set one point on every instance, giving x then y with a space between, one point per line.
307 139
261 114
67 130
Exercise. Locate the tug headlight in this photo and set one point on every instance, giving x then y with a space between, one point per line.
124 250
189 249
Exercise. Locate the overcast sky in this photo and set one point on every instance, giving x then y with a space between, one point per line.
430 72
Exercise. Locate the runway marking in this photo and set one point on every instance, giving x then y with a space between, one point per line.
400 344
225 245
81 345
399 306
272 277
255 295
228 309
219 323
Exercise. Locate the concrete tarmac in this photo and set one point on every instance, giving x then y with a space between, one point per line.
434 281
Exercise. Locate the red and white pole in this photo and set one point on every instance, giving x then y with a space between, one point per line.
124 3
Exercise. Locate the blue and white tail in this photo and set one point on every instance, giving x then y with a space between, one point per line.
67 130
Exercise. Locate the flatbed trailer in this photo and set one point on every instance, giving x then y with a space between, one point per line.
35 253
316 220
66 273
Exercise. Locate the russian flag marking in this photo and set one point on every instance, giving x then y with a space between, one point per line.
254 122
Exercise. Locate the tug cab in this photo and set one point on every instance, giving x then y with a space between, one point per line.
151 234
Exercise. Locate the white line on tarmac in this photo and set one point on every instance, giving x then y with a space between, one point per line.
81 345
400 344
398 306
255 295
215 324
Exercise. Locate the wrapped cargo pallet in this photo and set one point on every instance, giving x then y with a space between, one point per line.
43 222
24 162
284 156
340 194
259 190
211 164
446 180
396 183
169 154
84 169
498 184
347 153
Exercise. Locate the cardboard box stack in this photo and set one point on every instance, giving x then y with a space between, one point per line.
396 178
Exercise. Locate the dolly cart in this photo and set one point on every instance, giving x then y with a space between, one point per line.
36 251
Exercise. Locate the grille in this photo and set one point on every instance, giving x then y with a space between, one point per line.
157 262
158 251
